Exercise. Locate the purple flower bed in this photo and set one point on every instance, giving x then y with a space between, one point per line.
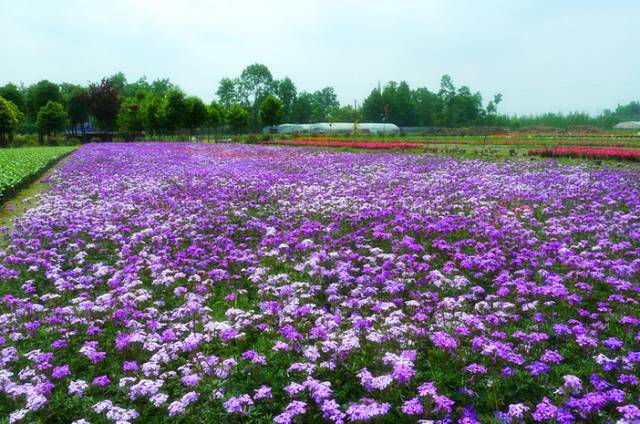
157 282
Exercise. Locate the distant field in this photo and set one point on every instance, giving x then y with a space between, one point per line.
490 147
20 165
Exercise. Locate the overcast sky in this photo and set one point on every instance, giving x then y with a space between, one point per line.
543 55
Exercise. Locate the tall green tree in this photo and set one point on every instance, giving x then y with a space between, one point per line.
196 113
237 118
373 106
325 103
227 92
153 110
9 120
271 111
130 119
78 105
51 119
215 117
256 83
286 91
176 110
302 108
15 95
40 94
425 104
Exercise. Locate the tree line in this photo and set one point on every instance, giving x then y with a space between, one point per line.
252 100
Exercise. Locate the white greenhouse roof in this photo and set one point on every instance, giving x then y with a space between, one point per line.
628 125
376 128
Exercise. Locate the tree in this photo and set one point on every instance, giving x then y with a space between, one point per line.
176 110
196 113
404 114
426 104
40 94
373 106
9 120
119 80
324 102
302 108
286 91
256 83
492 109
346 114
161 86
78 105
105 103
227 92
271 111
238 118
15 95
130 119
215 117
153 112
51 118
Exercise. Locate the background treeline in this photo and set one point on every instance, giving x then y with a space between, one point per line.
250 101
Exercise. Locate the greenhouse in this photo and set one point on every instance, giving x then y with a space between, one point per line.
336 127
627 125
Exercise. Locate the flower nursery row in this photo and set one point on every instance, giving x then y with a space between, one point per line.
20 165
169 282
588 153
479 141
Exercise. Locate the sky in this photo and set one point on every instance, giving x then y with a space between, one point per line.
542 55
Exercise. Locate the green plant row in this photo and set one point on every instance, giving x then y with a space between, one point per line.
20 166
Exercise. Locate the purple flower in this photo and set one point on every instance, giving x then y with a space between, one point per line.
101 381
60 372
412 407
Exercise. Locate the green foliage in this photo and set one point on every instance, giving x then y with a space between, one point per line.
237 118
227 93
130 119
286 91
40 94
450 107
197 113
9 120
52 118
215 115
302 108
15 95
256 82
153 113
20 165
78 104
324 103
271 111
177 111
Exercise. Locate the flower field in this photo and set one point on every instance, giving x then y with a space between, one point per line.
588 153
18 166
189 283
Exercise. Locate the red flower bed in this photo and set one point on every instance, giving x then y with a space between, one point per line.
588 153
351 144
